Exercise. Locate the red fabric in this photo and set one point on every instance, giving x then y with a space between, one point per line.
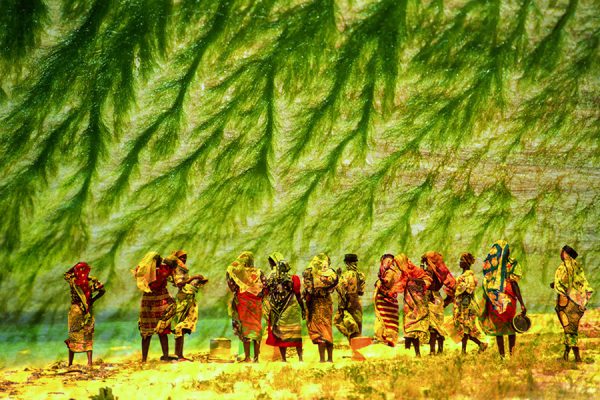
296 284
509 313
162 273
82 271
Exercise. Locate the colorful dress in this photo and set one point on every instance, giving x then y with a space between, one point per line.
319 282
186 310
414 283
441 277
155 303
466 309
385 299
499 270
573 293
284 312
80 319
247 284
351 286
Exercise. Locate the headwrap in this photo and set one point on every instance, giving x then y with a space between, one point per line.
409 271
145 273
82 271
498 267
570 251
466 260
245 275
436 262
323 275
281 265
382 268
180 253
570 281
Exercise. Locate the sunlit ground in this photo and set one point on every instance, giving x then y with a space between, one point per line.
535 371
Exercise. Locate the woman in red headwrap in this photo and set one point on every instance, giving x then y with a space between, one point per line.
81 319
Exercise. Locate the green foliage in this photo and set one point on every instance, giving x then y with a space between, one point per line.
293 125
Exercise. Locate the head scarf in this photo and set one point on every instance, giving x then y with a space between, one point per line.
323 275
436 262
180 253
281 266
570 251
82 271
245 275
409 269
382 268
351 261
145 273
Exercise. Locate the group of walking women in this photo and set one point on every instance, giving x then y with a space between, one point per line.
285 300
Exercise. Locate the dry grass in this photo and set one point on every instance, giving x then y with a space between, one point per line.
535 371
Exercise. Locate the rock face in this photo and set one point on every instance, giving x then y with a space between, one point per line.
298 127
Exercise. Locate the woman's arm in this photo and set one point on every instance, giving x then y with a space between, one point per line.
517 290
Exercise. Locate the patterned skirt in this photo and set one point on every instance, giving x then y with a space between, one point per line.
320 320
569 314
81 330
246 316
186 314
499 324
153 307
286 331
436 314
386 318
416 316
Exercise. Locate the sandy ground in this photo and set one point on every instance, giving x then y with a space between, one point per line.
535 371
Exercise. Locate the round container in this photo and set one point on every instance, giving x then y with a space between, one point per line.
521 323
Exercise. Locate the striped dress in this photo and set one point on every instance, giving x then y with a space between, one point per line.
155 303
385 299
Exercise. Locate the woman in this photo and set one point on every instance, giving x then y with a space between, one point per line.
151 278
433 264
351 287
247 283
186 310
286 308
501 274
573 293
465 306
385 299
81 319
414 283
319 282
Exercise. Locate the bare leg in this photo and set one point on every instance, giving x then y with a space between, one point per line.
164 345
432 339
179 346
283 355
89 357
321 352
512 341
299 351
329 352
577 355
256 350
145 347
71 355
464 340
440 343
417 347
566 353
247 351
500 343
